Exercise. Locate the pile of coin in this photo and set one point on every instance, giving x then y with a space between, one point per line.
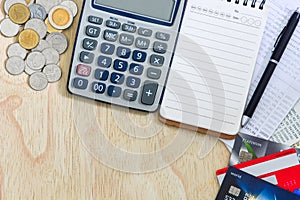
38 25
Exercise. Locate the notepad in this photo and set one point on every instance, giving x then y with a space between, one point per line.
213 64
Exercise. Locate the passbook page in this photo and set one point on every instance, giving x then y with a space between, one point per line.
213 64
288 132
283 89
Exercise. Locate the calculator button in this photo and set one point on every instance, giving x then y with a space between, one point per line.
89 44
130 95
113 24
142 43
101 75
114 91
120 65
160 47
145 32
133 82
92 31
80 83
84 70
98 88
126 39
129 28
162 36
117 78
104 61
86 57
107 48
136 69
139 56
157 60
149 93
123 52
111 36
95 20
154 73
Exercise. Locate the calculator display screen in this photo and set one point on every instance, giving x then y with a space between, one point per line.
157 9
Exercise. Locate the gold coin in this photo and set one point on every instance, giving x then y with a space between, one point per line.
50 28
19 13
29 39
27 1
60 17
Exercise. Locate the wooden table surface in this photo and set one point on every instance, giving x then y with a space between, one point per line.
56 146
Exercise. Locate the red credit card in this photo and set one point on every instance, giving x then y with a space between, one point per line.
265 165
288 178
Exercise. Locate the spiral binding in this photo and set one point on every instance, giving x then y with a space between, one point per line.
245 3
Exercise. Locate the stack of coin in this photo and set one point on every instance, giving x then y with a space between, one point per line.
38 25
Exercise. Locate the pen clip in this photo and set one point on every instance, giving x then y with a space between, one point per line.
278 38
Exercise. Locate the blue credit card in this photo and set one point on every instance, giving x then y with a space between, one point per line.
239 185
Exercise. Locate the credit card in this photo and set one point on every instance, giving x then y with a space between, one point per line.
288 179
239 185
265 165
248 147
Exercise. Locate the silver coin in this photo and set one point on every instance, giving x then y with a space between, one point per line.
35 60
38 81
9 3
37 11
48 4
58 41
8 28
38 25
30 71
53 73
71 5
15 65
51 55
15 49
43 44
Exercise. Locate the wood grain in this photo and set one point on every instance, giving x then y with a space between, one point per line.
46 152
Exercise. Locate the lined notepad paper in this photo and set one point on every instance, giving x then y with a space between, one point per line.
213 64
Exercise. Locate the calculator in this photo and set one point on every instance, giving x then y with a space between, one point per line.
123 51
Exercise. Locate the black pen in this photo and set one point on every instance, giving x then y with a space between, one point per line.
278 50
